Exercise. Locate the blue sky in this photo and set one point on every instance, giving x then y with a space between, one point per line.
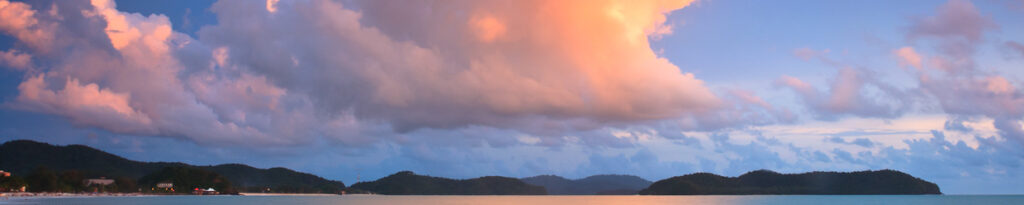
471 88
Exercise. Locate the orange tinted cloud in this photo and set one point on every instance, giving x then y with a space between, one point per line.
82 102
18 20
488 28
311 67
503 61
908 57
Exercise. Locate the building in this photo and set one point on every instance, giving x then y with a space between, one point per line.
164 185
207 191
102 181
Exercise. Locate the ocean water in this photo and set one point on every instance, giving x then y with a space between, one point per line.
529 200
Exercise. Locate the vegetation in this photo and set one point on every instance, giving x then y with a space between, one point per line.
68 165
769 182
597 184
42 167
408 183
188 179
12 183
42 179
277 180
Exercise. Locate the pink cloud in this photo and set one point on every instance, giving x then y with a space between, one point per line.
958 27
908 57
809 54
490 68
295 71
86 104
848 94
1016 48
16 59
18 20
955 19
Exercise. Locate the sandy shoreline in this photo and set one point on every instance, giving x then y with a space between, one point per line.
13 196
30 195
284 194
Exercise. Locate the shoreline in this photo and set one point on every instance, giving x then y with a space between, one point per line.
41 195
284 194
4 196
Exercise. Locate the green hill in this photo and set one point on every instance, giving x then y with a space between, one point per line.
188 178
597 184
769 182
21 157
408 183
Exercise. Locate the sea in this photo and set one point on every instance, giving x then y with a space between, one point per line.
529 200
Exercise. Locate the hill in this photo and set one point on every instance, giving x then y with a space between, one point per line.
597 184
21 157
769 182
188 177
409 183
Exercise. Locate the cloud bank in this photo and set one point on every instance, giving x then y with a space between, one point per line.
289 72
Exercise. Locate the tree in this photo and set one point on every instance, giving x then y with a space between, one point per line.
126 185
186 179
11 183
71 181
42 179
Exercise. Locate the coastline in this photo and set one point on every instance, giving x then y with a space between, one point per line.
33 195
6 196
283 194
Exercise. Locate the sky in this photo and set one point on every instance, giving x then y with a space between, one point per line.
355 90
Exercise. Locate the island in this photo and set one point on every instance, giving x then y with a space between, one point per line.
881 182
593 185
409 183
79 168
34 167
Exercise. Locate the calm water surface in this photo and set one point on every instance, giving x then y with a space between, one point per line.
531 200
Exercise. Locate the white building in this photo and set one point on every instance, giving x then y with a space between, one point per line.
102 181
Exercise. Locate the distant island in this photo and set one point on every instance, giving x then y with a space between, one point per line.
888 182
52 168
40 167
409 183
592 185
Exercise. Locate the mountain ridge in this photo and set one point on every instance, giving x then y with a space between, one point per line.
881 182
23 156
604 184
410 183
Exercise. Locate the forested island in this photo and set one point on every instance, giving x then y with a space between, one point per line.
813 183
592 185
49 168
42 167
409 183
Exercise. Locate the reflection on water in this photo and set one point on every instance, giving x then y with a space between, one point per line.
531 200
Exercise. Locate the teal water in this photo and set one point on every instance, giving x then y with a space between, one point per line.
530 200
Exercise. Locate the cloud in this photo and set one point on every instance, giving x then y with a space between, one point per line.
908 57
855 92
960 89
957 27
957 124
459 71
19 21
292 72
85 104
16 59
806 53
863 142
129 76
957 19
1016 48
